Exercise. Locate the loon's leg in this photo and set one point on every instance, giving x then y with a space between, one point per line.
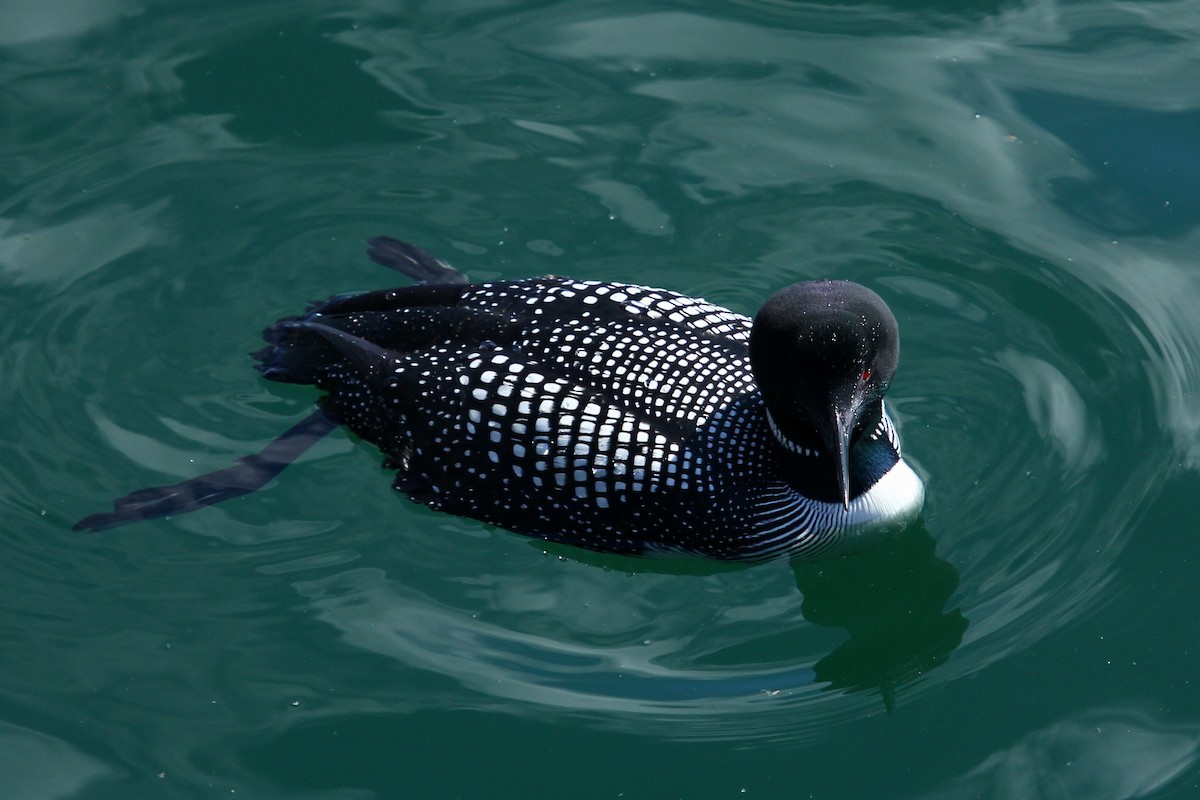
254 471
412 261
247 474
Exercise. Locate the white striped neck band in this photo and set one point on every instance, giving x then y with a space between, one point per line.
780 437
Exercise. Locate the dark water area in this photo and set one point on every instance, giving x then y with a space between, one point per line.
1021 183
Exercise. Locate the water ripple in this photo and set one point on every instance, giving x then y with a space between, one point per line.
1044 290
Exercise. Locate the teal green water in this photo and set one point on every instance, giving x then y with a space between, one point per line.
1021 182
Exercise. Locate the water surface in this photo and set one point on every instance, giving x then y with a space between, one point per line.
1018 180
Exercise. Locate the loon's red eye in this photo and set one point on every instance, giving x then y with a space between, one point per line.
866 373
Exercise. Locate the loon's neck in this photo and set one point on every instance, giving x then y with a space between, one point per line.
810 469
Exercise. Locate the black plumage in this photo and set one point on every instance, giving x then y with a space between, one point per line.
615 417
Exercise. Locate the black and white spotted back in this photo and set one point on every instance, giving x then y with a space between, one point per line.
615 417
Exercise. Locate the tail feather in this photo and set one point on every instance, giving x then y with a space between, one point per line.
292 354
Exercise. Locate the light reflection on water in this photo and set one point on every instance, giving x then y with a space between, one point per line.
1029 515
1099 754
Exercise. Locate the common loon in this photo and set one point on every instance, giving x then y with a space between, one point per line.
616 417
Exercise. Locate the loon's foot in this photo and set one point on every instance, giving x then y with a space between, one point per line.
412 261
244 476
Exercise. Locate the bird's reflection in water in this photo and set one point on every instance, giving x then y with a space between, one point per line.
891 601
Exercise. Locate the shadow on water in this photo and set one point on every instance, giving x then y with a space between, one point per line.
747 652
891 601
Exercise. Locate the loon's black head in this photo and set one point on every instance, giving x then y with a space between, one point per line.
823 354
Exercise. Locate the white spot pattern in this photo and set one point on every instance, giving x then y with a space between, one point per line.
611 416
